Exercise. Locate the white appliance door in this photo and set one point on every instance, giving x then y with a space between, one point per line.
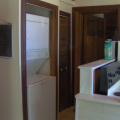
42 101
37 32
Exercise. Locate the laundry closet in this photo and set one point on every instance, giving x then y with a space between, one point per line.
41 86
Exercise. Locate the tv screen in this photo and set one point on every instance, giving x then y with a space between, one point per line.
6 40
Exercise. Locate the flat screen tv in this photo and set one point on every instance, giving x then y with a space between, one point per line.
6 40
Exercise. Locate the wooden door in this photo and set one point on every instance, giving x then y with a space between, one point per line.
65 89
94 37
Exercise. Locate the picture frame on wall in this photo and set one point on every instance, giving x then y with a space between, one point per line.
6 40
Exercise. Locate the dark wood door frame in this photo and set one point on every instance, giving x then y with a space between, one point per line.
64 14
53 37
77 17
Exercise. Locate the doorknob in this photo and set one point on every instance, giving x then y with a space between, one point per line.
66 68
61 70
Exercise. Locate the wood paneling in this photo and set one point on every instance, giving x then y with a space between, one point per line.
65 83
77 50
100 9
94 37
53 44
96 81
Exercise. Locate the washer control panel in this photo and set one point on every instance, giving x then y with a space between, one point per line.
37 54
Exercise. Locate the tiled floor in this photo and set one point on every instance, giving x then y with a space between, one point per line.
67 114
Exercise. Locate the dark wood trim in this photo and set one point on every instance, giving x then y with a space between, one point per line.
23 49
42 4
96 81
53 48
73 45
73 50
23 59
54 51
66 15
97 9
119 24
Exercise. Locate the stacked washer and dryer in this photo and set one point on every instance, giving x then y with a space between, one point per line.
41 88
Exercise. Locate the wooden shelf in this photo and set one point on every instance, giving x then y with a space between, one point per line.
96 64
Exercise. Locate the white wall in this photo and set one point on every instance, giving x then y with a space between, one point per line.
66 5
70 2
54 2
96 2
10 72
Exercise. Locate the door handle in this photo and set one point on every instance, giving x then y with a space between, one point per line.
61 70
66 68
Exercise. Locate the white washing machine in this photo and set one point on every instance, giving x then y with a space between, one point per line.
41 95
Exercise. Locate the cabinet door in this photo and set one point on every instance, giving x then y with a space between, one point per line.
65 92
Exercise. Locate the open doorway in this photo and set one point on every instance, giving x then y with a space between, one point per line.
91 27
53 38
96 29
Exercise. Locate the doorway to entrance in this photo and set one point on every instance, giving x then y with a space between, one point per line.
89 34
93 38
